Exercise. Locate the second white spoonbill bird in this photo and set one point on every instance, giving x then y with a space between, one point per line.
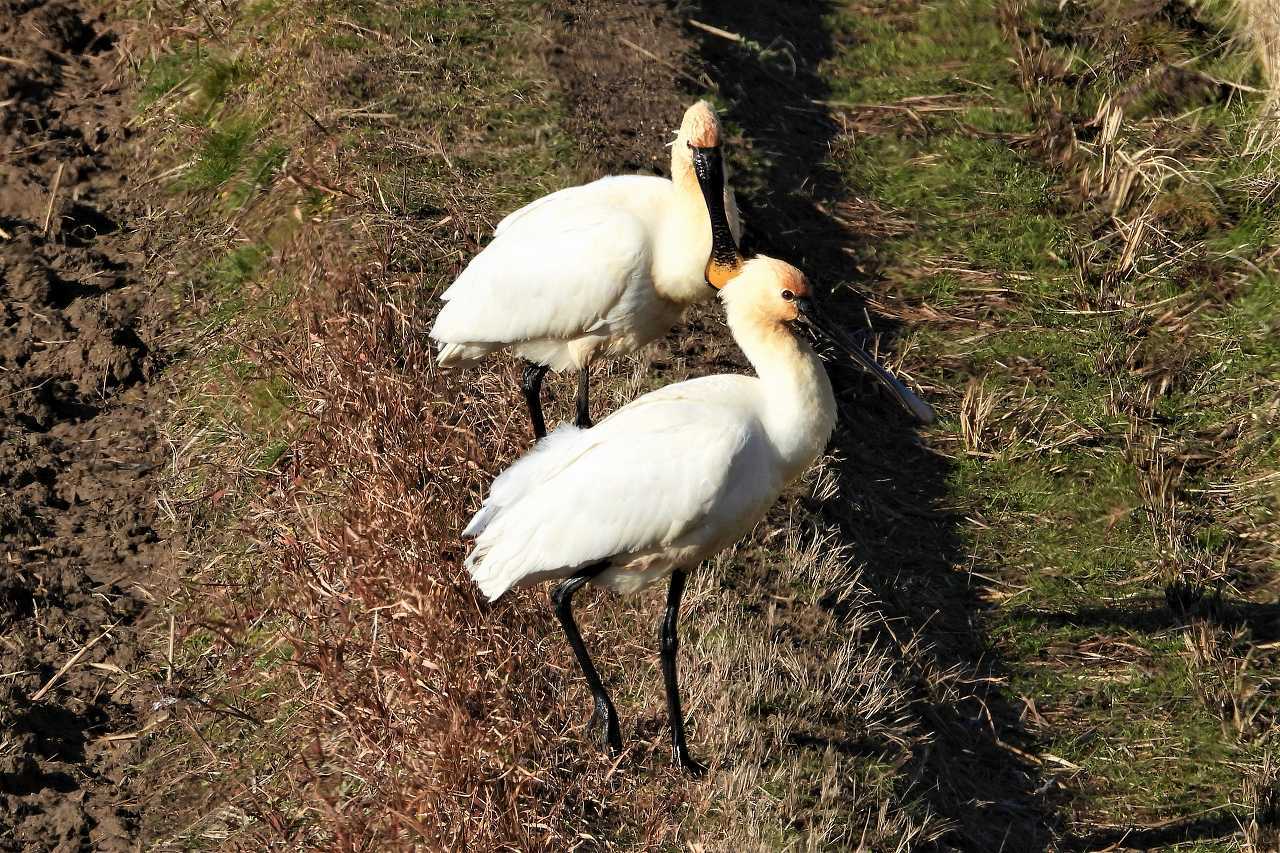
598 270
670 479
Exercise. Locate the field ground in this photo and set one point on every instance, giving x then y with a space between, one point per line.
81 562
1050 622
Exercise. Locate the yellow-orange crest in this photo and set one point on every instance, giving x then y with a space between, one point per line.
700 127
769 286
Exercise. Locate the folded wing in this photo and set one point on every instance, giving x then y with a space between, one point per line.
558 269
673 472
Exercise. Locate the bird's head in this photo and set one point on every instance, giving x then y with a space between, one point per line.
772 293
696 153
772 290
700 127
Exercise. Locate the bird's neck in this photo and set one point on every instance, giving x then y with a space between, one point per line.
682 173
799 408
690 206
717 216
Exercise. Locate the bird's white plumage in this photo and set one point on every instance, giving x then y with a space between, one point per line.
601 190
665 481
567 270
595 270
672 473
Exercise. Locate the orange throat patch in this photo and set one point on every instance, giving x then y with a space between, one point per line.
720 272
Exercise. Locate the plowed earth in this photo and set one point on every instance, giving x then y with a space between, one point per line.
78 450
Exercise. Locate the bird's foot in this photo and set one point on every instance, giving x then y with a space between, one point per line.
583 422
605 721
688 763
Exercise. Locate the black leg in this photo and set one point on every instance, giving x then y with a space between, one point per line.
562 598
584 399
531 385
670 645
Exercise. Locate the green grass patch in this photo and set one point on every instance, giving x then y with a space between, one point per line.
1080 532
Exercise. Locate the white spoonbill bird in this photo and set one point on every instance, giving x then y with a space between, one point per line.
670 479
598 270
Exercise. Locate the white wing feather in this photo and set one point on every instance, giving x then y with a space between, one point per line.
560 268
545 458
615 189
545 280
663 469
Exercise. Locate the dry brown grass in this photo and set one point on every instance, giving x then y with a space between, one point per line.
406 711
342 685
1015 425
774 681
1260 22
1229 681
1262 797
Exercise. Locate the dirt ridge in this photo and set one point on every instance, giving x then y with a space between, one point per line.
78 447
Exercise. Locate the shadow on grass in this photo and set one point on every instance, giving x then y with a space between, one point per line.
1222 824
893 489
1151 615
969 761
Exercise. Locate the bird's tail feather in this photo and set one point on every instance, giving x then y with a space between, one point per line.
496 576
462 355
493 584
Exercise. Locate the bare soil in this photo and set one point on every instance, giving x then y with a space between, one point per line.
621 104
78 449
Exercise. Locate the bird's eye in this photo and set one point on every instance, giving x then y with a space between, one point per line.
787 295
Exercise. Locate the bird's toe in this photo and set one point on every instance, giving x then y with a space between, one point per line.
604 721
689 764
